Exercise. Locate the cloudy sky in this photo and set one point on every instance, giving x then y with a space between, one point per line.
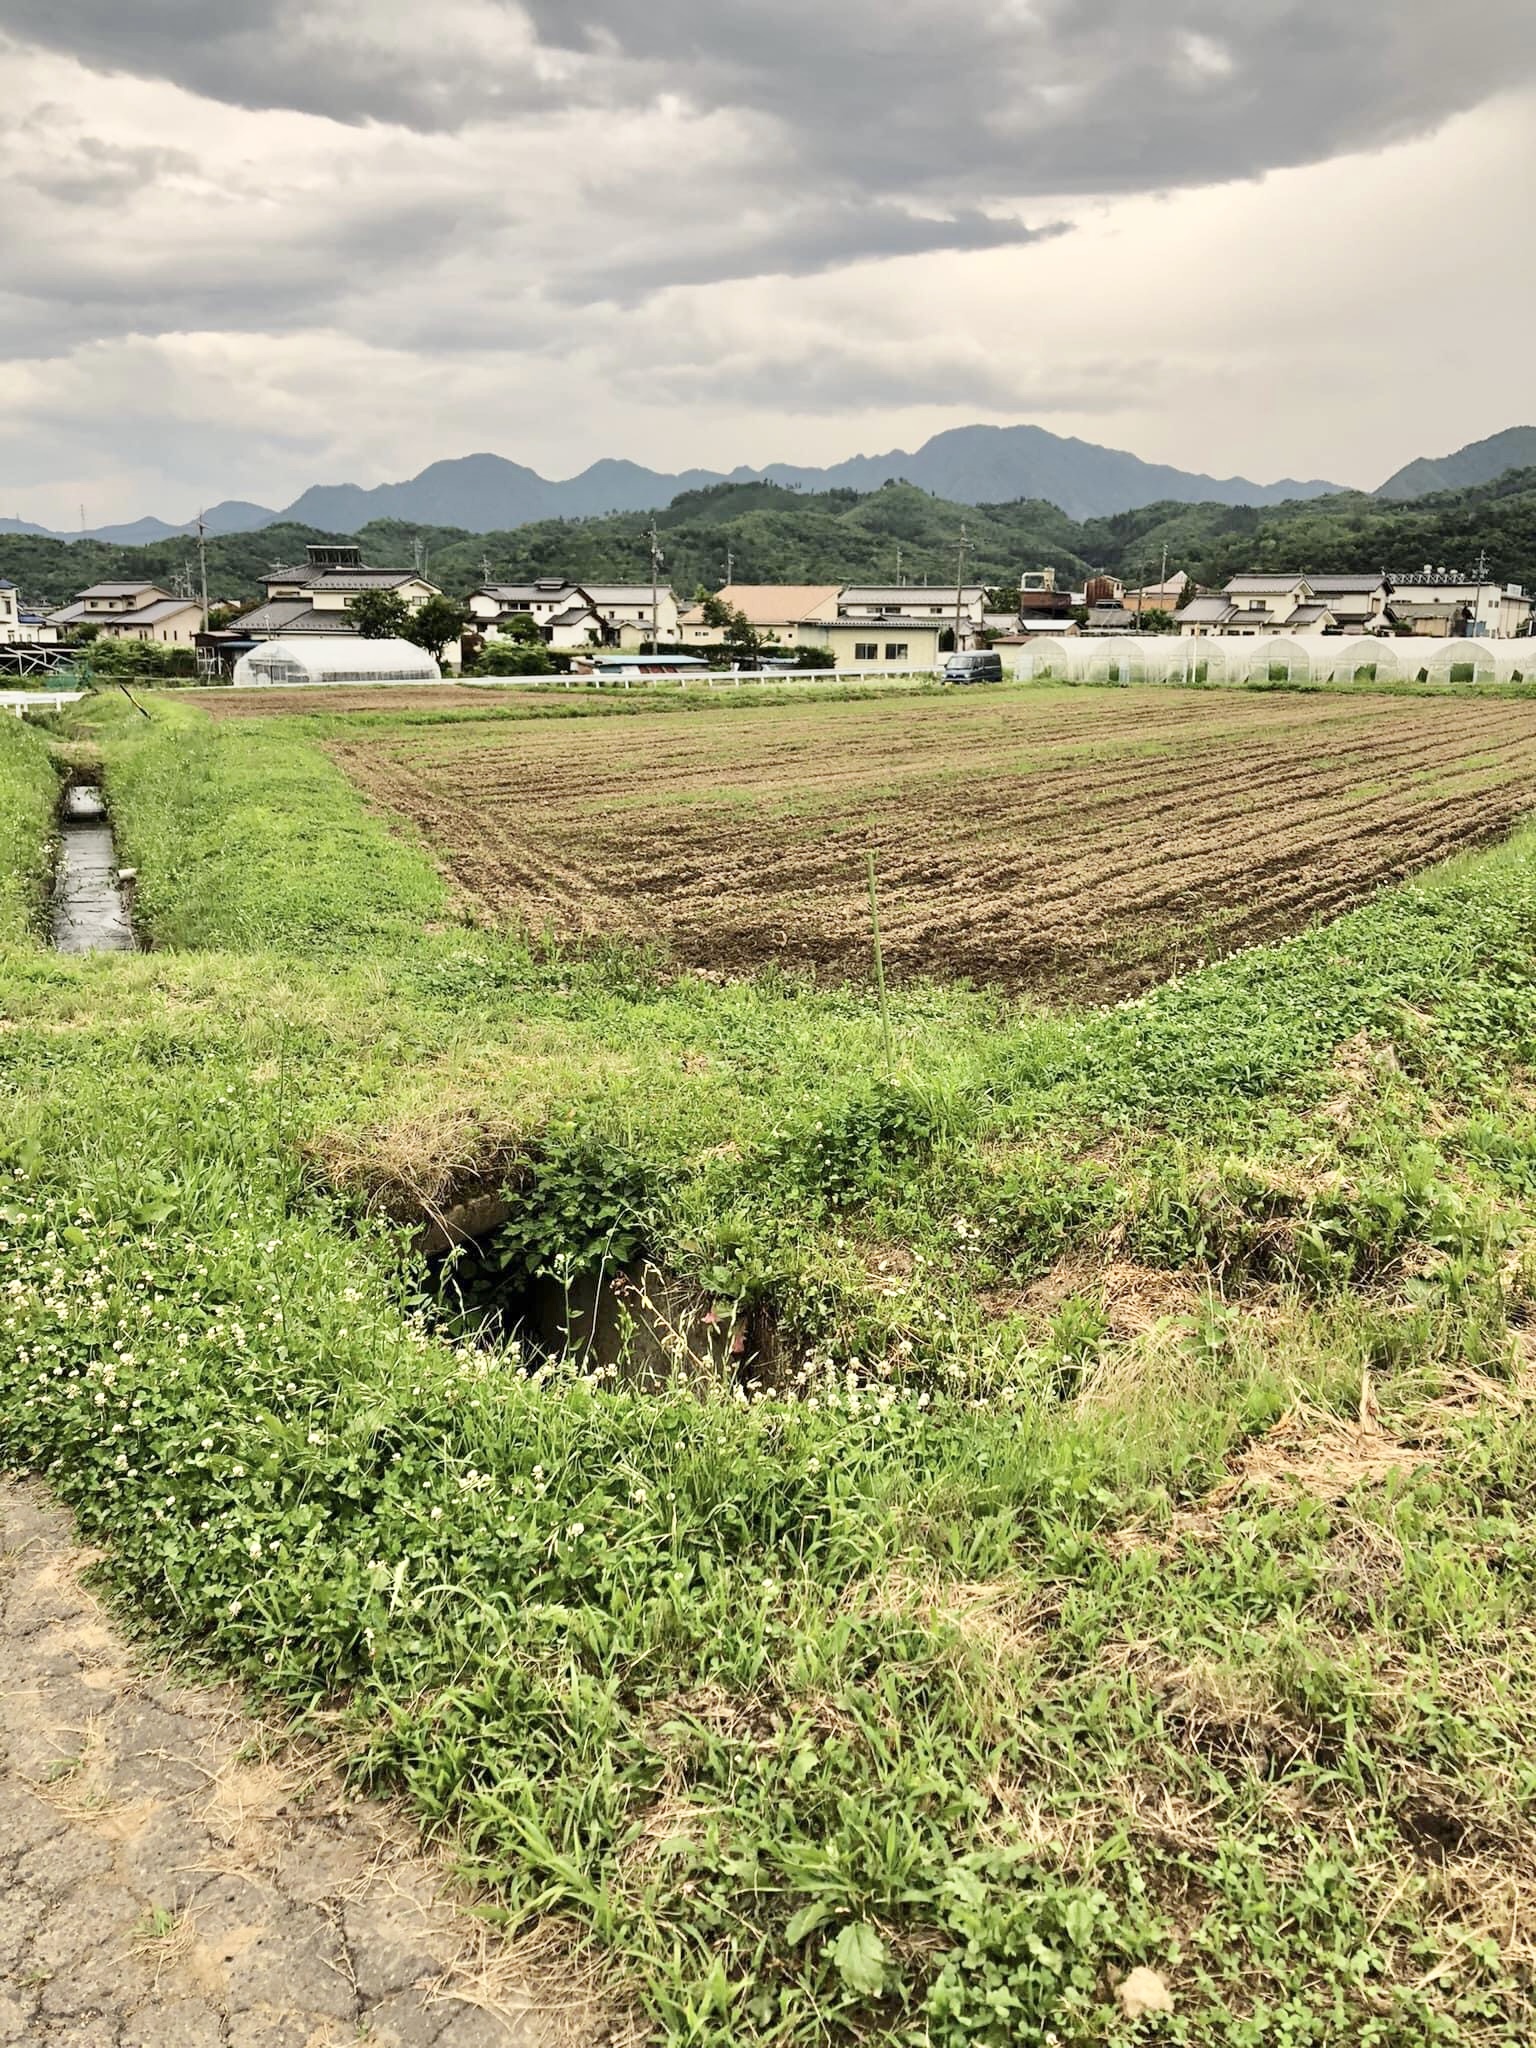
250 245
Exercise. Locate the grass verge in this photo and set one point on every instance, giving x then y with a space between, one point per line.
29 794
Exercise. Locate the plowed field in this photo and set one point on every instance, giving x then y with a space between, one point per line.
1082 842
338 700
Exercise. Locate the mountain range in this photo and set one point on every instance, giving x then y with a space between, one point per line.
977 465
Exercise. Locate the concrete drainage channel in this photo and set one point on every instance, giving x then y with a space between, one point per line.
91 893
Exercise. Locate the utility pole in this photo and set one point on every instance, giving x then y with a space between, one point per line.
655 588
964 543
898 565
202 566
485 568
730 565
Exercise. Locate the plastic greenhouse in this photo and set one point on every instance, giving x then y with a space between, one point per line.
333 658
1321 658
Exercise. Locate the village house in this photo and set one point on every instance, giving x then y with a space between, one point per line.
314 596
130 611
780 613
892 641
1107 616
1166 596
579 615
10 613
1040 598
1359 603
1251 605
925 603
1444 605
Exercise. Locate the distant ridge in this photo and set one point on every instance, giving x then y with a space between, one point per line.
1478 463
233 516
970 465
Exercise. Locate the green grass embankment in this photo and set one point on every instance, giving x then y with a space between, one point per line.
29 795
1019 1646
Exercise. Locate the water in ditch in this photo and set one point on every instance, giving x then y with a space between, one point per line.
89 911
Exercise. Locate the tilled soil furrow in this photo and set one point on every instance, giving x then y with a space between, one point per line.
1067 842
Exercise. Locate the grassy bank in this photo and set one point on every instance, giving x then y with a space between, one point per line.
29 794
1139 1572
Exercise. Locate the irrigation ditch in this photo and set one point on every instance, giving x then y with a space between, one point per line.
92 895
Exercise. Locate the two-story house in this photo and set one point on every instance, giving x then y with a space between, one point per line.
1255 604
921 604
1443 604
131 611
315 595
568 614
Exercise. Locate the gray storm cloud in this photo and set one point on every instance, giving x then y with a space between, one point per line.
972 98
510 197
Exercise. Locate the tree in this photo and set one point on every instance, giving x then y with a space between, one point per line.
1156 621
741 638
521 627
379 615
433 624
507 658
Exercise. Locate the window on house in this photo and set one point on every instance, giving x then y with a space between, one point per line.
895 650
866 650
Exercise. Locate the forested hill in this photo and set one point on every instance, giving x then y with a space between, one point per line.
768 534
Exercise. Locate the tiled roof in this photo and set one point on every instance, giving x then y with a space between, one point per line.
879 624
546 591
78 614
290 615
911 593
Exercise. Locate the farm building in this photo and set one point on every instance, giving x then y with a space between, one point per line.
313 662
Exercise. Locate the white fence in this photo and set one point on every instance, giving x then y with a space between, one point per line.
22 701
718 679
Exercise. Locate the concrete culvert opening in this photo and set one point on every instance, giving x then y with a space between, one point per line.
502 1272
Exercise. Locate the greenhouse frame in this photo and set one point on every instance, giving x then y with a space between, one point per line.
333 659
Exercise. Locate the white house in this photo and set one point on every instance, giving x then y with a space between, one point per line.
10 614
1358 603
919 603
1442 604
618 614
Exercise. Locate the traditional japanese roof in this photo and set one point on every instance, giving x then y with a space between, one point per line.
291 615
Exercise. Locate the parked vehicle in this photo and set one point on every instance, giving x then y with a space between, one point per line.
974 668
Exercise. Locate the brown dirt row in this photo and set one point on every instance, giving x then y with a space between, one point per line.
1068 842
